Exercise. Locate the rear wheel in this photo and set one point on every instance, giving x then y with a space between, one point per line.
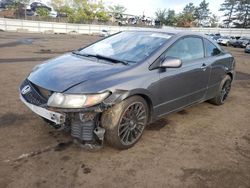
125 122
223 91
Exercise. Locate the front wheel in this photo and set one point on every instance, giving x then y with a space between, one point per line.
125 122
223 91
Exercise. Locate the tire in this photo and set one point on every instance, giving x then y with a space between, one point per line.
121 131
222 92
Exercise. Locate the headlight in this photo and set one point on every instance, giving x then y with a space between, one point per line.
60 100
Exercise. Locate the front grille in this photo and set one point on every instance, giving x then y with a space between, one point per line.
33 96
44 92
83 131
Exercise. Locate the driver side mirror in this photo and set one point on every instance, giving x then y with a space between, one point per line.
171 62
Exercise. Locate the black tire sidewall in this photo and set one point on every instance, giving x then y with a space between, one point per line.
217 99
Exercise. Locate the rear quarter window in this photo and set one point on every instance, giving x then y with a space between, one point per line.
211 49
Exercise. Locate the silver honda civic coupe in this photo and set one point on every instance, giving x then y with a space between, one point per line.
110 90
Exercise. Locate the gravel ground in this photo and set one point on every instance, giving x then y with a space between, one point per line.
201 146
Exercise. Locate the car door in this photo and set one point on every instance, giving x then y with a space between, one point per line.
218 61
180 87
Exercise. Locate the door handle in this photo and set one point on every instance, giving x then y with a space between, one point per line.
203 66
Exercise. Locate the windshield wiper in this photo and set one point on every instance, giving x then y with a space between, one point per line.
98 56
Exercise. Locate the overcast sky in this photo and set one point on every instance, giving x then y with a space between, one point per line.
150 6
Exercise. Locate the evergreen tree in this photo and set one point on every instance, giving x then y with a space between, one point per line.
187 17
214 20
170 18
242 16
228 7
202 12
189 9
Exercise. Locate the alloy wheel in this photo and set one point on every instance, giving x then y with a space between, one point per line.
132 123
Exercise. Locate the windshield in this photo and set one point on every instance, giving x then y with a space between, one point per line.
128 46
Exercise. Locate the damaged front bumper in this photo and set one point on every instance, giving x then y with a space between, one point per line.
57 118
83 124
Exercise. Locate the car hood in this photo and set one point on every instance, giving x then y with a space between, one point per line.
241 41
69 70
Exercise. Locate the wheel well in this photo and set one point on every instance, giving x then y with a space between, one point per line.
150 105
145 97
231 75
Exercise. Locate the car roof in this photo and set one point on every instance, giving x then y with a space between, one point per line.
176 33
169 31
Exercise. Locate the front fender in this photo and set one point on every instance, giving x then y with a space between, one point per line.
120 95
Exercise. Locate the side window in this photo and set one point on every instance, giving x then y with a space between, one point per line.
211 49
187 49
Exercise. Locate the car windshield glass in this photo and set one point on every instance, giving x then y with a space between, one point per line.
128 46
225 37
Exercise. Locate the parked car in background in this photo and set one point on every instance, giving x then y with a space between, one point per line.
234 39
225 40
110 90
5 3
53 14
242 42
32 8
35 5
30 12
215 37
62 14
247 49
245 43
104 33
213 34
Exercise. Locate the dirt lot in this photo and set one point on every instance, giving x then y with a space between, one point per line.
202 146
